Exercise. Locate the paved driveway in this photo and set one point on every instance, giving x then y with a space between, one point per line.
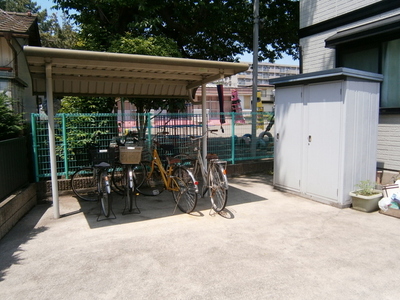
267 245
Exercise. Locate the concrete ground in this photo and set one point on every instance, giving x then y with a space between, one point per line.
266 245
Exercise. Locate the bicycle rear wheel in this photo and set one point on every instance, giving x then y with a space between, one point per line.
105 195
218 184
191 165
118 179
153 184
184 189
84 185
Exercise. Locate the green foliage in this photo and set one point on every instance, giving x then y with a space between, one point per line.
11 124
155 45
365 188
218 30
19 6
87 104
56 35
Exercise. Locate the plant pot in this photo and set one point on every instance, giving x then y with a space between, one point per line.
366 203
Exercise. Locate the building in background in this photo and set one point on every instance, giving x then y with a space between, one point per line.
243 83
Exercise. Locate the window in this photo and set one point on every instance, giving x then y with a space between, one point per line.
364 59
390 90
382 58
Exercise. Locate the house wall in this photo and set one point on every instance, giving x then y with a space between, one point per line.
316 57
316 11
389 142
17 83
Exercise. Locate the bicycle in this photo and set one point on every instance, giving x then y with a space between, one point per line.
129 158
118 174
213 174
93 183
173 177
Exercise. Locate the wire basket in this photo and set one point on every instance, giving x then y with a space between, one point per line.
98 156
129 155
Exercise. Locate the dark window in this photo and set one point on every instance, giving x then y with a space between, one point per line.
382 58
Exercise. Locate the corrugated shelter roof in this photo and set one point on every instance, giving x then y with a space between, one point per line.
91 73
20 25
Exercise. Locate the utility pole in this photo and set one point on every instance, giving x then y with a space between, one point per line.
256 19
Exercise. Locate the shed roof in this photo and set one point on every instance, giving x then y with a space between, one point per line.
91 73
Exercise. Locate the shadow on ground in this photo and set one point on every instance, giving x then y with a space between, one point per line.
12 247
160 206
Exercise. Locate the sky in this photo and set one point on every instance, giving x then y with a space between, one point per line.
47 4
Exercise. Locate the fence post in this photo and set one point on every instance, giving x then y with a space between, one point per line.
148 117
233 136
65 146
35 146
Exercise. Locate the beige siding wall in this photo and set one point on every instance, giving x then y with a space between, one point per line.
6 54
389 141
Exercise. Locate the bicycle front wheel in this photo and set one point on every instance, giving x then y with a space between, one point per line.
130 187
218 184
84 184
105 195
184 189
140 173
153 184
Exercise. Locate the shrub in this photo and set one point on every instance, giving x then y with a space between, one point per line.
11 124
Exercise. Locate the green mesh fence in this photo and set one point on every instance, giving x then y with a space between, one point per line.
75 133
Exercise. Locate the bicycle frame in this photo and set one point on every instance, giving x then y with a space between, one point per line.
205 166
165 174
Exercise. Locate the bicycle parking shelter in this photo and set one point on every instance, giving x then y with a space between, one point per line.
65 72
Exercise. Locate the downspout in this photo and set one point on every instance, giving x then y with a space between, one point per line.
52 143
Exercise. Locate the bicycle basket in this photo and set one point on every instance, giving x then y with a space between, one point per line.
104 155
130 155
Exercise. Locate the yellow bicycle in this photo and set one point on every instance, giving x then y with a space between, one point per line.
172 177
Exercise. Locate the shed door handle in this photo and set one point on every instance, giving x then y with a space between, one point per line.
309 138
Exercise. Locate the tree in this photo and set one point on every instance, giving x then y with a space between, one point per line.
218 30
20 6
87 105
56 35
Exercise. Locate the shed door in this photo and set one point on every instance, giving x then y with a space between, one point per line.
288 127
322 139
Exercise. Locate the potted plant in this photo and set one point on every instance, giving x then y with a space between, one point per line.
366 197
